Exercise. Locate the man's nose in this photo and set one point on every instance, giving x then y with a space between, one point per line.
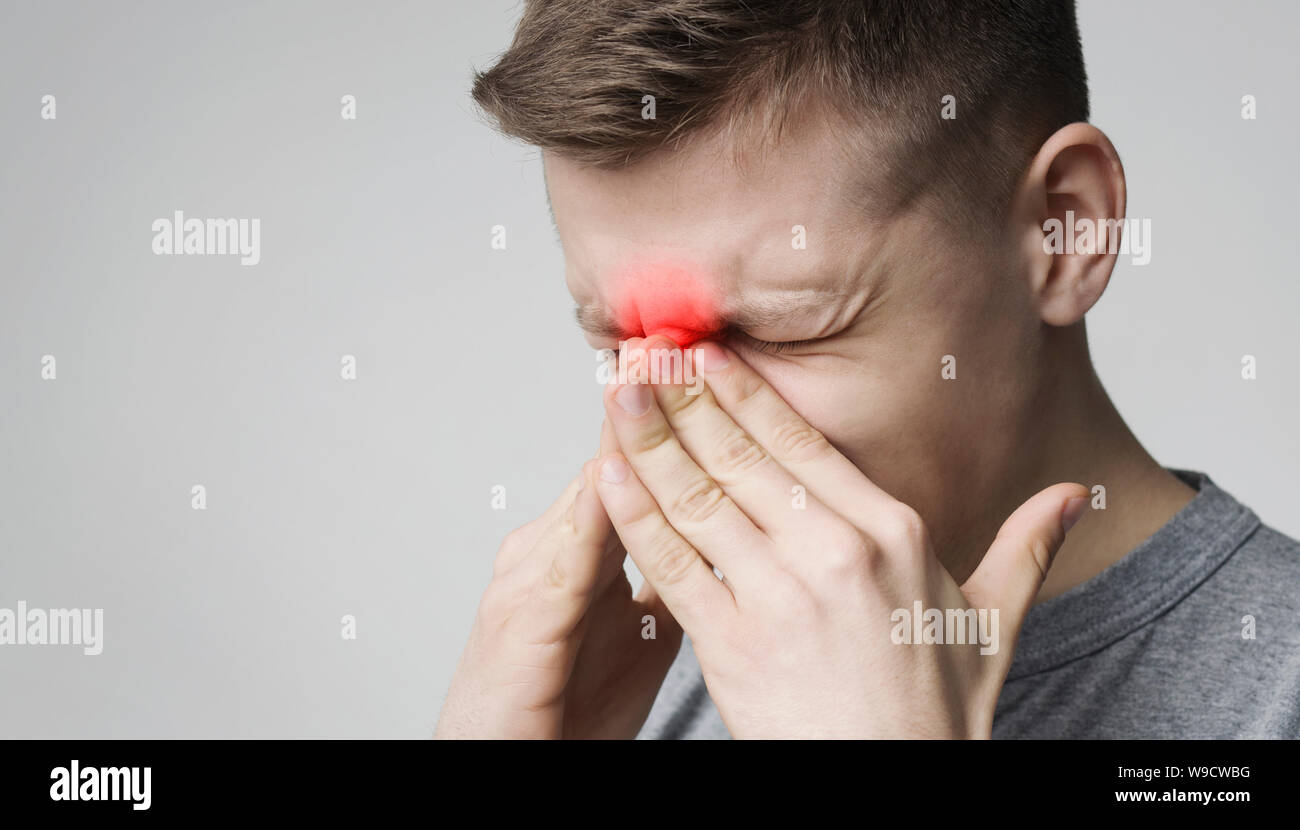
673 305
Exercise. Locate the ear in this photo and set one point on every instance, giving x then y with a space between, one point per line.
1074 188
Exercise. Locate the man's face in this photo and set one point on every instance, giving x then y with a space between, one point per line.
879 304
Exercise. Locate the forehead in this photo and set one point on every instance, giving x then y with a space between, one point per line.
781 220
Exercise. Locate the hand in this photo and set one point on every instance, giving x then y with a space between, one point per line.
798 637
557 647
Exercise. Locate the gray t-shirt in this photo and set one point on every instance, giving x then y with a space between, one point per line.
1158 645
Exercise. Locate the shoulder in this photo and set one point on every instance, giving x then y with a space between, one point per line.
1264 574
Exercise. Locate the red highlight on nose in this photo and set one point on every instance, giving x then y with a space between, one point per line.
672 301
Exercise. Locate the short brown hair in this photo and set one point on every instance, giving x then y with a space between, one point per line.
574 78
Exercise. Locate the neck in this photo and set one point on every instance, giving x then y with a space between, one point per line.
1074 433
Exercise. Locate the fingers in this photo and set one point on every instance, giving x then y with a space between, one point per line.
789 439
693 503
762 488
521 541
675 570
569 563
1013 570
615 553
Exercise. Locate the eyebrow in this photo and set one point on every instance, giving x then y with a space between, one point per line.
594 321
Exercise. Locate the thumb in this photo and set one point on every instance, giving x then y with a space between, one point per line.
1013 570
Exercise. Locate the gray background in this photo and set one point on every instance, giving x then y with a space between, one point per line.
372 497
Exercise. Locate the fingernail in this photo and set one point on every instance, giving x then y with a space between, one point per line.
1073 511
613 470
634 398
712 357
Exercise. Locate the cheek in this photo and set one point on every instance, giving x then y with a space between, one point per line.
826 401
866 418
669 301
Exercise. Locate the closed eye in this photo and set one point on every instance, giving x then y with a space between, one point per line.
770 346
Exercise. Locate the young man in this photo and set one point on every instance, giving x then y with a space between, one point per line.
846 204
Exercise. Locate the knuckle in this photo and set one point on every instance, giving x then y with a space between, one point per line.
496 606
677 402
516 539
905 531
512 549
700 501
556 578
739 453
797 441
501 563
747 387
849 552
1038 550
652 438
673 561
644 517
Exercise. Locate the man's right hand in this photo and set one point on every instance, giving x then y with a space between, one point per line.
557 649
